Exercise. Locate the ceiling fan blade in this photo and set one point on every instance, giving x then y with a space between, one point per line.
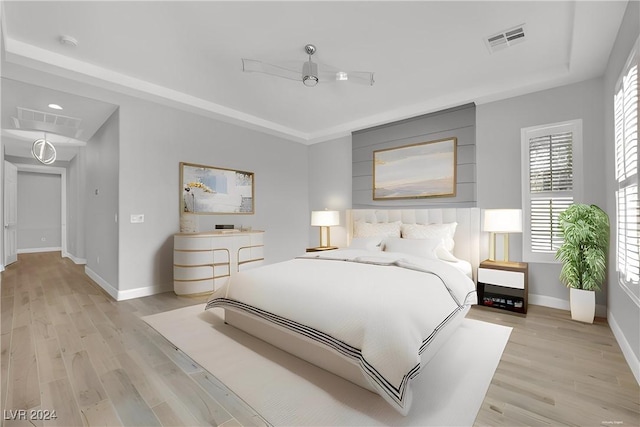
361 77
255 66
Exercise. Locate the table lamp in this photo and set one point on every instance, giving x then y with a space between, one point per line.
324 220
503 221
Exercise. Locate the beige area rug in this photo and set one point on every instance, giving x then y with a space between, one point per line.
288 391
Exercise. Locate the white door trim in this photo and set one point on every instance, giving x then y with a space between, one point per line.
54 170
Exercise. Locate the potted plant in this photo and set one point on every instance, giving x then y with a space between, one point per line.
585 230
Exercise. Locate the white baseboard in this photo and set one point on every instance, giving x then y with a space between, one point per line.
74 258
36 250
143 292
126 294
562 304
627 351
101 282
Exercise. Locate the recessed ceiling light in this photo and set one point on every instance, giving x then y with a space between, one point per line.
55 106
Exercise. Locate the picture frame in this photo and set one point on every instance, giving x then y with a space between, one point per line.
210 190
416 171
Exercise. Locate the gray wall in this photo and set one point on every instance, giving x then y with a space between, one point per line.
624 314
499 162
329 185
75 207
39 211
154 140
456 122
101 195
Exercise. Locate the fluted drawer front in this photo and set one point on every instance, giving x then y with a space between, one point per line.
249 265
204 261
257 239
192 273
193 287
221 270
220 256
193 257
191 243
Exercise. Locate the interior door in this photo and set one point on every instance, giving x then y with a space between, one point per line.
10 213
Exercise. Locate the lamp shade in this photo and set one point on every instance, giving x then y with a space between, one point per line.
502 220
325 218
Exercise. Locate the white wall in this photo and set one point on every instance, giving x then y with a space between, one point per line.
624 314
330 185
39 211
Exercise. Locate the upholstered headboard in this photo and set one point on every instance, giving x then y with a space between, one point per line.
467 237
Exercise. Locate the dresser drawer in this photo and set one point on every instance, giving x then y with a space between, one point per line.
193 287
191 243
192 273
509 279
183 258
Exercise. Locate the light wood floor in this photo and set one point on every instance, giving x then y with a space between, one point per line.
67 346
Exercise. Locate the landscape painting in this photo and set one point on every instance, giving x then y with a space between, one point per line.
415 171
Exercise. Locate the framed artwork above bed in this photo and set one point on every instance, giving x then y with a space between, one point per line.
211 190
415 171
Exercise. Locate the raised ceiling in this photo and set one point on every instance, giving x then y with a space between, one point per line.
426 55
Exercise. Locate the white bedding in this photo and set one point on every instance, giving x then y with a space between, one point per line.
383 310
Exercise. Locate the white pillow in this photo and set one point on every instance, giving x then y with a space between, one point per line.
432 231
381 229
444 254
424 248
367 243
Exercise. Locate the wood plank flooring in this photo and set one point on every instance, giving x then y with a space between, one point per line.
67 346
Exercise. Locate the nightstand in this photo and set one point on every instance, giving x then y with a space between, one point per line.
321 249
504 286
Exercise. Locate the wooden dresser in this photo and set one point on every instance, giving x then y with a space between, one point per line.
203 262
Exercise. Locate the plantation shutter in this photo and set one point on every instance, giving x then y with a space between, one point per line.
551 183
548 186
626 164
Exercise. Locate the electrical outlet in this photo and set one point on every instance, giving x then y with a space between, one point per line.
137 218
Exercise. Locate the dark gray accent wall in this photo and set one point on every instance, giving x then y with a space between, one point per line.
459 122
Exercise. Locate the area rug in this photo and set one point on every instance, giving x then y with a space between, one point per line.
288 391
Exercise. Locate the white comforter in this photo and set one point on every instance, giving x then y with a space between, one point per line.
382 309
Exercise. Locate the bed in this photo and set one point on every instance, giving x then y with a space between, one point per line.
373 313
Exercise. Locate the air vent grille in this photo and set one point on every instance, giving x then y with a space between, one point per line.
505 39
48 122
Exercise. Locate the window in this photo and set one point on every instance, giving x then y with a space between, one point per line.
551 171
626 164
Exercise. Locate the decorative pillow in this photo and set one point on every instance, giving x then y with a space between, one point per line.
431 231
367 243
444 254
381 229
424 248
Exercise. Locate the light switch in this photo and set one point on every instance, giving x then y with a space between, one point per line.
137 218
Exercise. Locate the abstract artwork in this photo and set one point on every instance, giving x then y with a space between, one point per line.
213 190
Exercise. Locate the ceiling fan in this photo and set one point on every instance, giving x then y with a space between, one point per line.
310 74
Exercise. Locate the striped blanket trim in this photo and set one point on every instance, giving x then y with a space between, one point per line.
395 393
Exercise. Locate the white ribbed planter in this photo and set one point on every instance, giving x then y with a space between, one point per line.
583 305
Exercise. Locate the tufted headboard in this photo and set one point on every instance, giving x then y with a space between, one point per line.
468 236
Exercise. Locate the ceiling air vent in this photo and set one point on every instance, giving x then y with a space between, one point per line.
505 39
47 122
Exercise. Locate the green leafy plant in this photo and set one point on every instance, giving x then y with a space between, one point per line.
585 229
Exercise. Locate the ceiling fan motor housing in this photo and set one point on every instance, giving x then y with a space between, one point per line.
310 73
